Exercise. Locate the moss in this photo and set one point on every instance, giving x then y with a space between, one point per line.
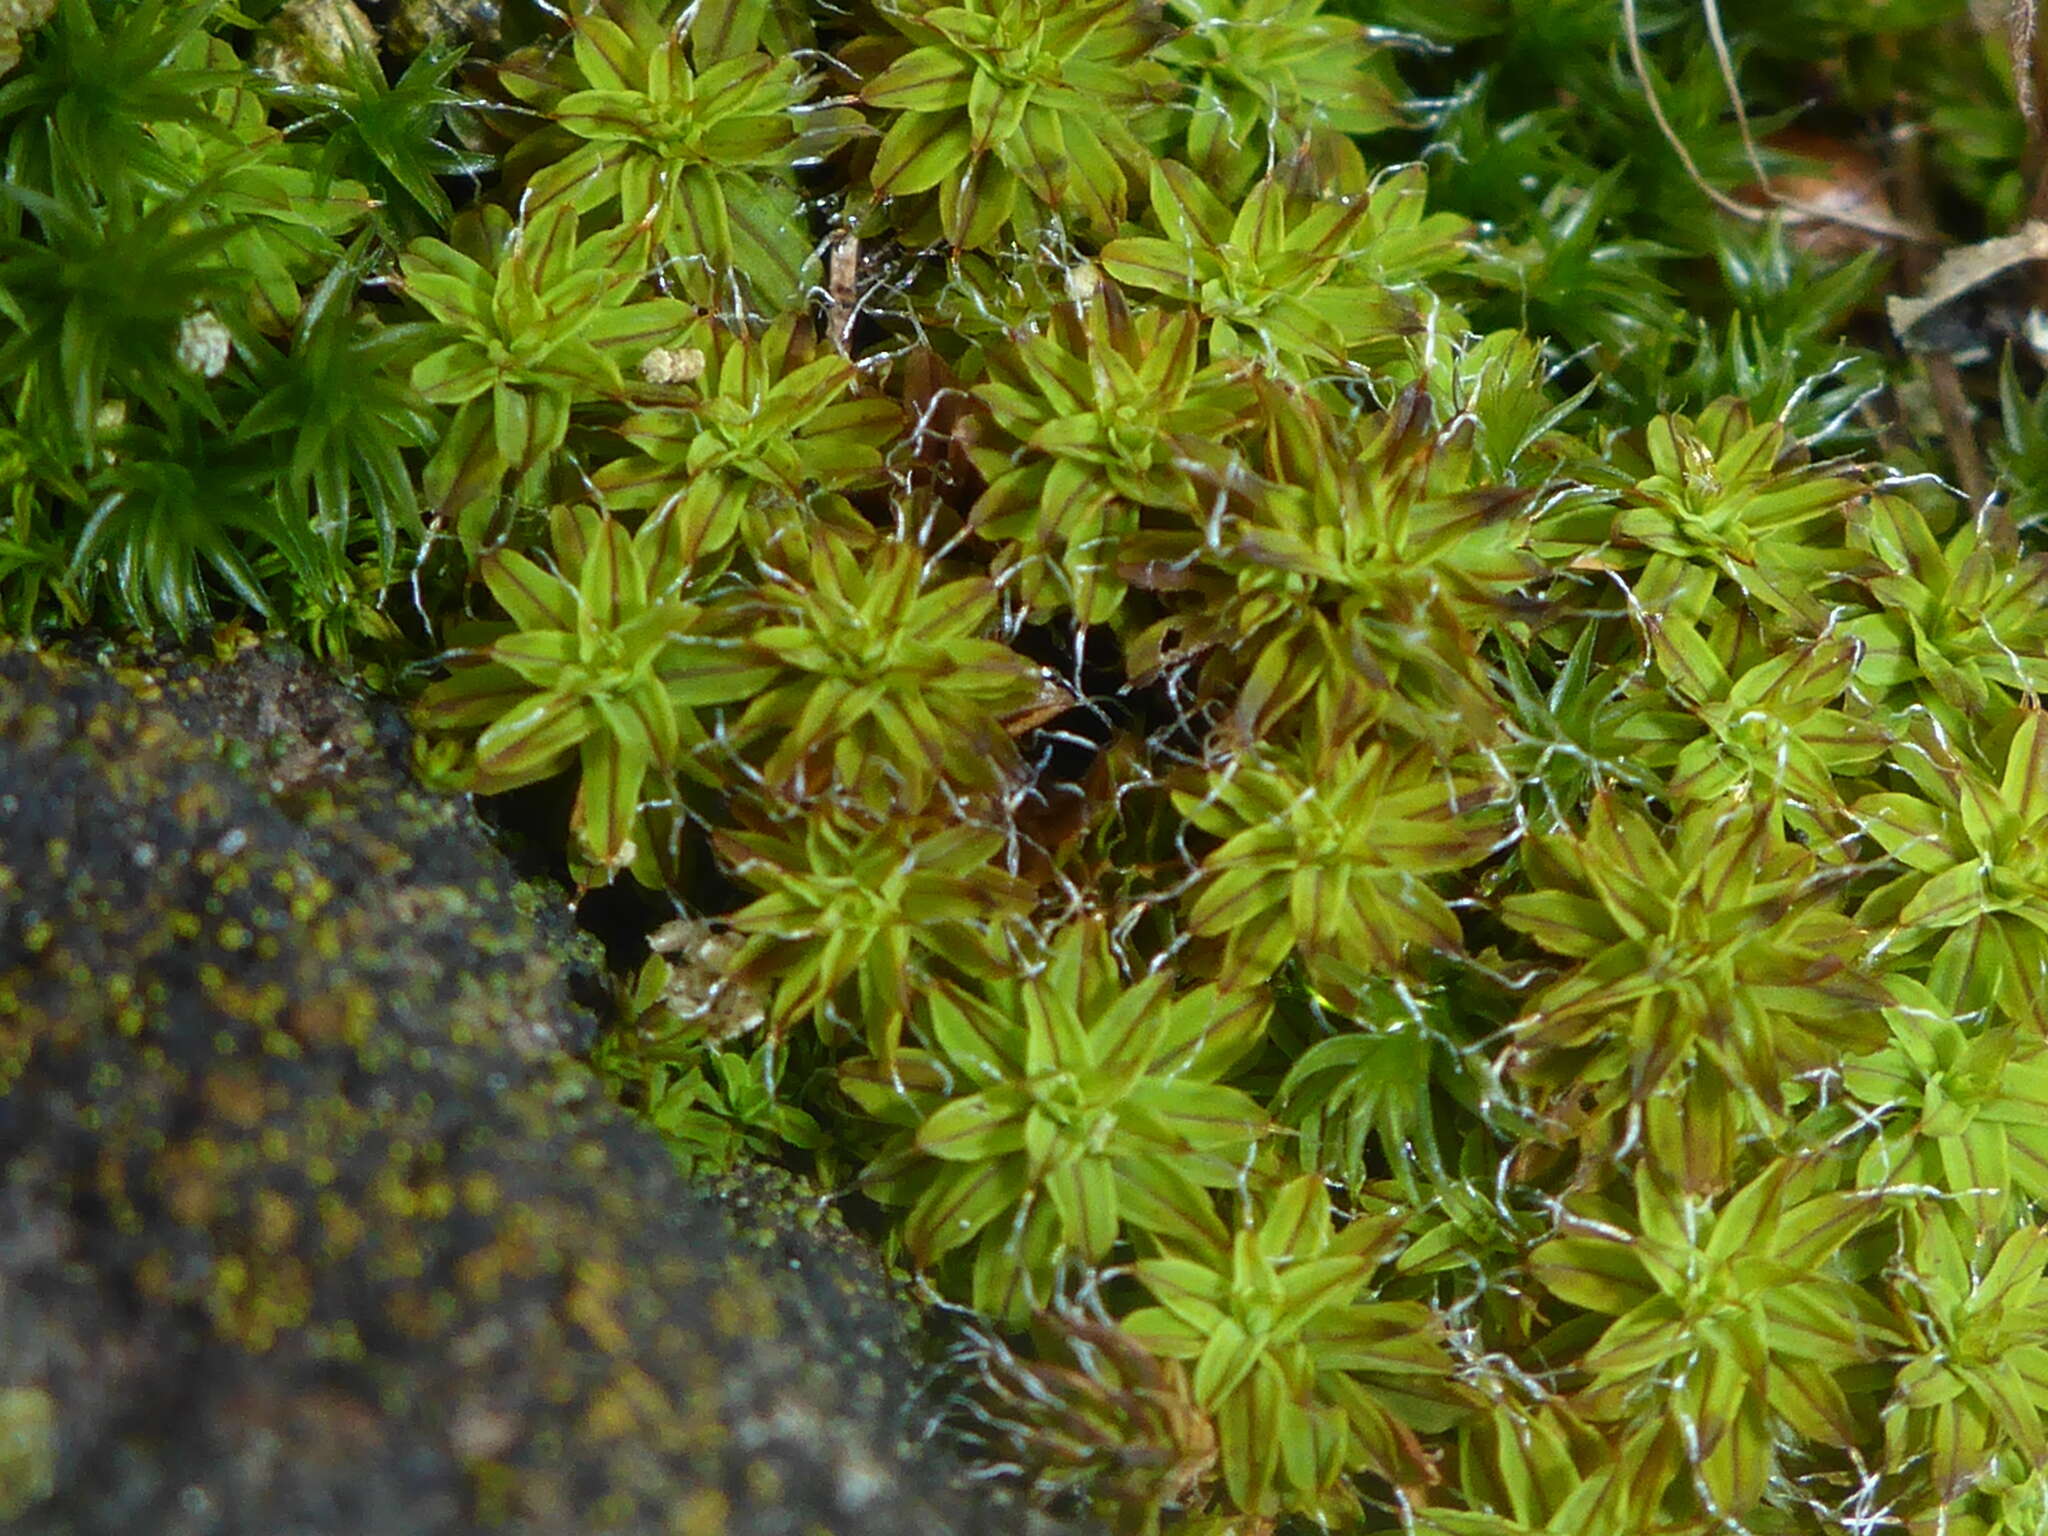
1192 644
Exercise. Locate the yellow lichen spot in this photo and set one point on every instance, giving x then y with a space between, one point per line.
230 1277
189 1176
390 1192
28 1449
235 1095
326 1019
153 1277
729 1315
274 1220
342 1227
627 1406
336 1341
400 1258
200 803
308 893
519 1242
764 1483
741 1310
705 1512
610 1417
141 682
480 1194
589 1307
257 1004
422 1315
110 1183
480 1275
252 1306
493 1492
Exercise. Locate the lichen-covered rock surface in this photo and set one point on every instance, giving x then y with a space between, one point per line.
310 1223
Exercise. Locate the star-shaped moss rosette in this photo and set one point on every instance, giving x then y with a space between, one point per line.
1305 284
83 339
854 919
1734 1321
2010 1499
1504 382
1543 1471
1962 621
1761 719
1335 854
1305 1381
714 1109
142 109
1006 114
173 504
603 667
82 122
528 321
690 120
398 138
1104 416
1728 493
1351 578
1961 1105
1052 1109
1974 1385
758 427
883 685
285 212
1711 964
1974 890
1368 1091
1278 82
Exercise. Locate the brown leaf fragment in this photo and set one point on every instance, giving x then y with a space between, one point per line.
1975 295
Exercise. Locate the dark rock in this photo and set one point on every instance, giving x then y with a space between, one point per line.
309 1221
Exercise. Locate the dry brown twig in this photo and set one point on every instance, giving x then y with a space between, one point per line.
2021 26
1794 210
1945 385
1914 231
